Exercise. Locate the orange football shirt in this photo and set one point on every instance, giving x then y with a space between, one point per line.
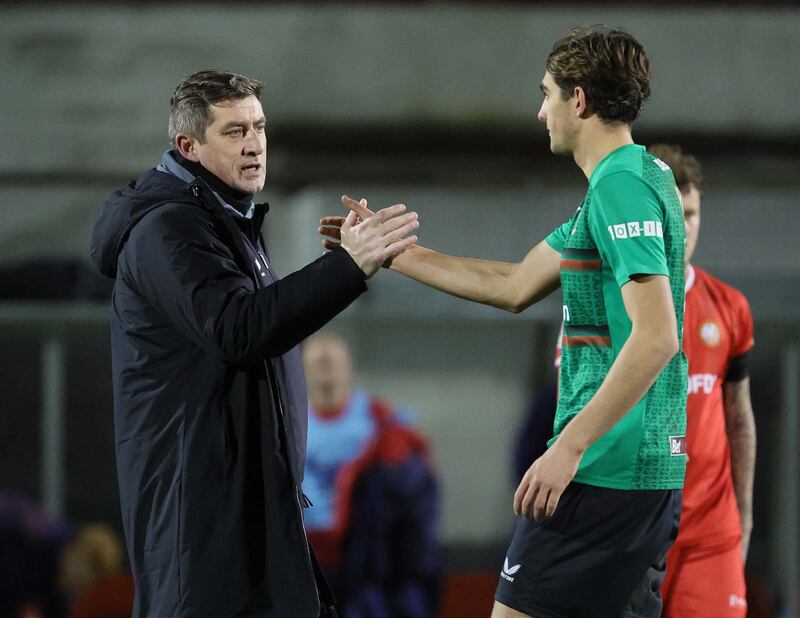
718 327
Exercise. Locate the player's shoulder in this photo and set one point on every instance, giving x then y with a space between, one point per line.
627 169
630 163
715 282
623 194
622 186
720 289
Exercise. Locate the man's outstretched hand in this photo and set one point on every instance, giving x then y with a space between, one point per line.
389 224
370 238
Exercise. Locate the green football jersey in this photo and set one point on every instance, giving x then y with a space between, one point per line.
630 223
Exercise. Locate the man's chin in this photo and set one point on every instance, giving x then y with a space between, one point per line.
250 187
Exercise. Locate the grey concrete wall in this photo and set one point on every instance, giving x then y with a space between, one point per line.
87 87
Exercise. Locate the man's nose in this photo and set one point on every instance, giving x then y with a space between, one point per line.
542 115
253 144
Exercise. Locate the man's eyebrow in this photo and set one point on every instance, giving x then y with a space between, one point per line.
231 125
238 123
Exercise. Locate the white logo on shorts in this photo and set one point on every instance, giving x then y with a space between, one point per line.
508 571
737 601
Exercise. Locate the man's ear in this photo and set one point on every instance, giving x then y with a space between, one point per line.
186 145
581 105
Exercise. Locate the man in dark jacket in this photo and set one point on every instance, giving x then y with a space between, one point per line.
209 394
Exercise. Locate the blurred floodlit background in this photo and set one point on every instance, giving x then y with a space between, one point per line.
429 103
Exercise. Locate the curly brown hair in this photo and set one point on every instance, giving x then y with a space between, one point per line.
190 105
611 67
685 167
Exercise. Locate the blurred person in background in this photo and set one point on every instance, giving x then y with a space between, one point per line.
92 577
375 516
705 567
209 393
30 544
600 508
536 430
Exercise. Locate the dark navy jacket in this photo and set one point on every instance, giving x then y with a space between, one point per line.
209 400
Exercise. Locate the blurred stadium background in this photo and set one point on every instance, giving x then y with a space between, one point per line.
430 103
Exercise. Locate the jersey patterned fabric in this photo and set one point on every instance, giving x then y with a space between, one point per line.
705 573
630 222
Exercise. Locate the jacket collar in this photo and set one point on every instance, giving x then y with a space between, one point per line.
170 165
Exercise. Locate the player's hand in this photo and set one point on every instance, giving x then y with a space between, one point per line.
378 238
540 489
330 226
359 207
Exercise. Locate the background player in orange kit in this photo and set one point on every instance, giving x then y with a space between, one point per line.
705 566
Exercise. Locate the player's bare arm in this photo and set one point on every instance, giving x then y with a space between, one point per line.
741 428
652 343
509 286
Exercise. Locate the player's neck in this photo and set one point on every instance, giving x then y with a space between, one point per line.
597 140
689 277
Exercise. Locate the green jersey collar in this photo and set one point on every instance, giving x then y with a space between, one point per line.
617 155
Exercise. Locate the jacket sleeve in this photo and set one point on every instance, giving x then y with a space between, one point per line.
176 260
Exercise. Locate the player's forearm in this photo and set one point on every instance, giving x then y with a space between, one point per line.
640 361
482 281
741 429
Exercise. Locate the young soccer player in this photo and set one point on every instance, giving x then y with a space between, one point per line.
705 567
599 509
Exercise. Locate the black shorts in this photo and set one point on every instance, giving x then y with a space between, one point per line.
601 555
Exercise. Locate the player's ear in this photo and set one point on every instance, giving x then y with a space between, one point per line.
581 105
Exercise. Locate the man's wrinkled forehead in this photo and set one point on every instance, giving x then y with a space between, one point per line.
249 108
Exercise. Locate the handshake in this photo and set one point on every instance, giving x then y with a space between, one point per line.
371 238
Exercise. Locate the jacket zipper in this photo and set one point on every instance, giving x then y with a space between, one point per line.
196 191
285 438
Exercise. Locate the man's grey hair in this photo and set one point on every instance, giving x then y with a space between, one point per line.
190 107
